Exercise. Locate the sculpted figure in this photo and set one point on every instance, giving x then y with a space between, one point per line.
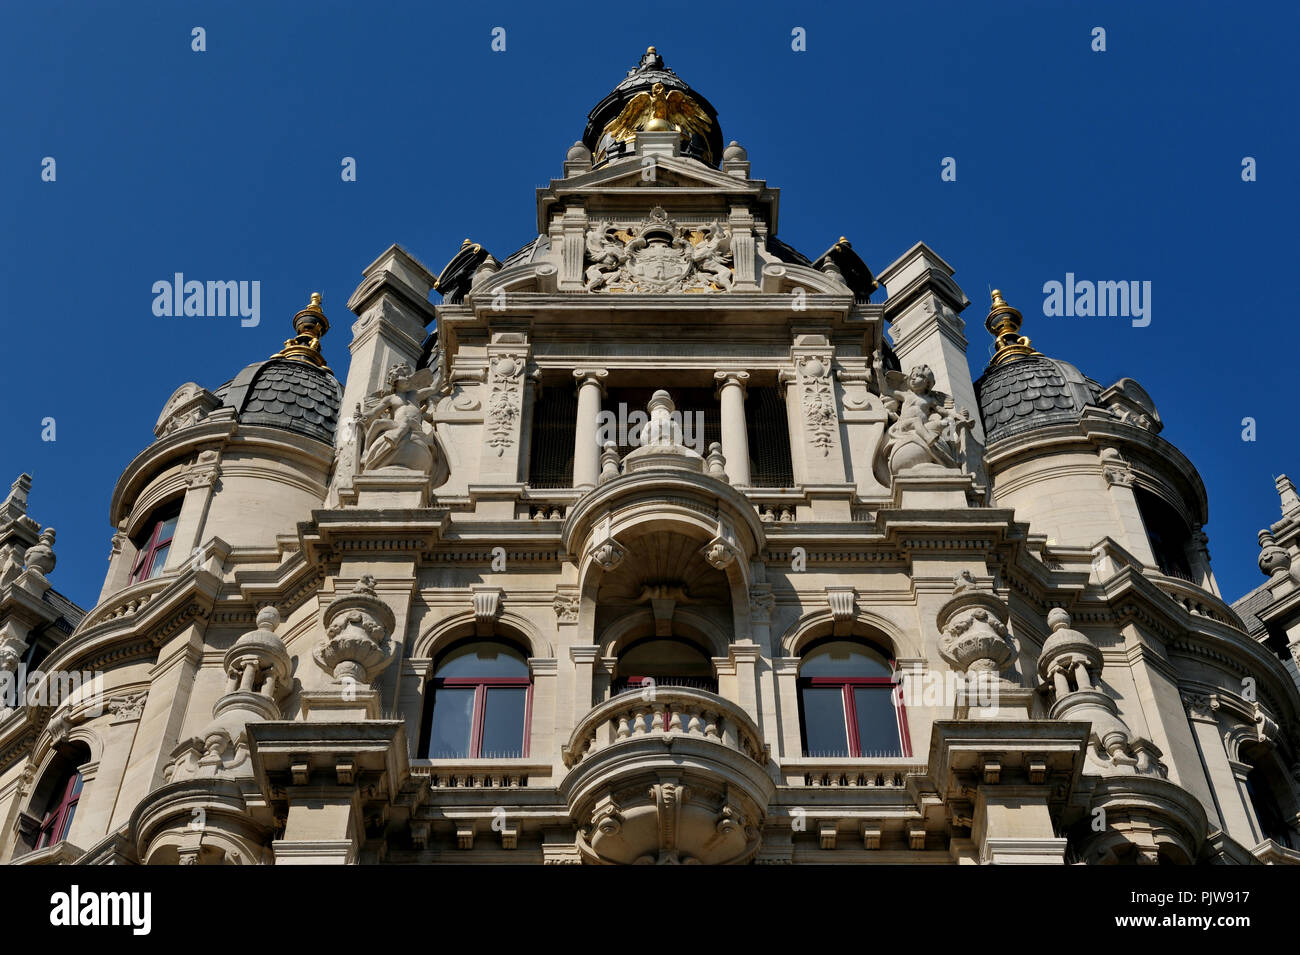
712 257
924 426
607 257
398 431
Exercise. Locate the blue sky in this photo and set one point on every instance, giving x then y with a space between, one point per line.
225 164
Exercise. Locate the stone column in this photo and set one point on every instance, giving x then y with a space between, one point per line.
735 438
586 447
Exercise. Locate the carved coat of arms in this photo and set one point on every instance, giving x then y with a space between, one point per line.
658 255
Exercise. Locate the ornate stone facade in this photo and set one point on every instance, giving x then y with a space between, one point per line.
817 594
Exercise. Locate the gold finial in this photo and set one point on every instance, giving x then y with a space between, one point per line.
651 49
1003 323
311 325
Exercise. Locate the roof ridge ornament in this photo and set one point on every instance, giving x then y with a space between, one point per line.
1003 323
311 325
650 60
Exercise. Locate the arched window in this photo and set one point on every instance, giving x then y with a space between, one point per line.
668 661
58 794
155 543
1264 785
479 703
849 702
1167 533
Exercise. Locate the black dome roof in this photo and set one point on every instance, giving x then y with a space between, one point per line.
650 71
1032 391
286 393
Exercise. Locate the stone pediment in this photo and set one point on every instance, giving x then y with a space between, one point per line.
637 172
660 179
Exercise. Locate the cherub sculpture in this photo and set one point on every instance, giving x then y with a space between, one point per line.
925 427
398 428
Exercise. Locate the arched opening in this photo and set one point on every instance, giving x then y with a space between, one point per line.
54 802
664 661
1268 795
1167 533
850 704
479 702
153 543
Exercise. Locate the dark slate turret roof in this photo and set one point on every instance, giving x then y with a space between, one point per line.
650 71
786 253
286 393
1031 392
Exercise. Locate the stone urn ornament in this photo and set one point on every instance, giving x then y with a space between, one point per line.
356 647
973 624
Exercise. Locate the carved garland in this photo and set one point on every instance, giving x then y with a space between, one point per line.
818 401
504 401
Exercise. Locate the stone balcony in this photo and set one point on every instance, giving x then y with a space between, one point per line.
1195 599
677 776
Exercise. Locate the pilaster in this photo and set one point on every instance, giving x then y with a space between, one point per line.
499 457
393 311
924 325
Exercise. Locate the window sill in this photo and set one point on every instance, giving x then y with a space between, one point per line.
481 773
892 763
61 853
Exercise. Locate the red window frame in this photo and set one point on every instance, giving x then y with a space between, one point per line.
58 819
847 685
144 562
481 685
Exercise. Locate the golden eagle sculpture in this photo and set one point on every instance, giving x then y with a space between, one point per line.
662 110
